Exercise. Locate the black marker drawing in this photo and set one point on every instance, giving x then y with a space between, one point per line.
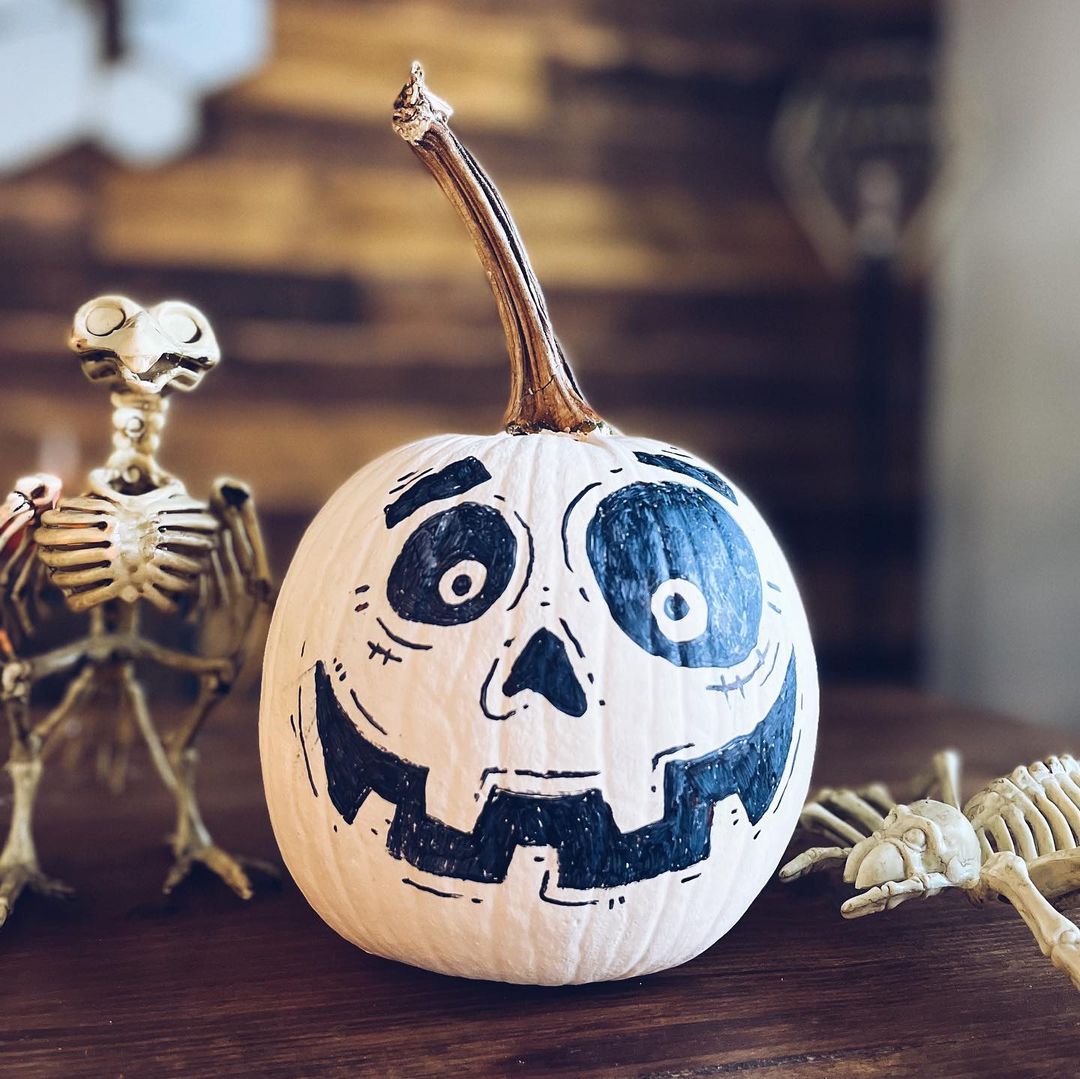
650 535
592 850
544 667
684 468
453 567
453 480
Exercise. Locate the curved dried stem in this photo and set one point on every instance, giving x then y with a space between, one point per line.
543 393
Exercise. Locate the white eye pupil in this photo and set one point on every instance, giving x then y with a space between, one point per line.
680 610
462 582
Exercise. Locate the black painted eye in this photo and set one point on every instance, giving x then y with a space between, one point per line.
453 567
678 574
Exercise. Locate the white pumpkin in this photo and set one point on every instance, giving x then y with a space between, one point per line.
537 706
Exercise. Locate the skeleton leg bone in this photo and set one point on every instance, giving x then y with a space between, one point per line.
192 842
19 867
1057 937
941 780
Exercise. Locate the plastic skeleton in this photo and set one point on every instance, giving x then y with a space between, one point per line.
134 536
1018 838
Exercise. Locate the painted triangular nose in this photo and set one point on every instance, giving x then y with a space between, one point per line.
544 667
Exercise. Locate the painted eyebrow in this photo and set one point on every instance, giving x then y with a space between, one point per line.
461 476
702 475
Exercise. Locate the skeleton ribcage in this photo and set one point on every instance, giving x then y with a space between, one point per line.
1032 812
107 545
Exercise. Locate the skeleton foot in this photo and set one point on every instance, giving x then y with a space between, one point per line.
17 876
232 869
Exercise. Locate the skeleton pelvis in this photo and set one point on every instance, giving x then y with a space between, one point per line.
108 545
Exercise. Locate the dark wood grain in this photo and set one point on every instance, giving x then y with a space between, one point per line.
122 982
632 142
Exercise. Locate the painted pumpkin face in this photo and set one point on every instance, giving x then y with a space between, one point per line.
567 704
537 707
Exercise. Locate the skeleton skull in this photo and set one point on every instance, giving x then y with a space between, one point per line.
553 698
919 850
171 346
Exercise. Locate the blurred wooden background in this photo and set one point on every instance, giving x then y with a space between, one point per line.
630 139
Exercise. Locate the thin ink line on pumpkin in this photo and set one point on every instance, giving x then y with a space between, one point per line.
529 568
566 521
408 475
361 588
573 640
303 649
364 712
773 607
430 891
378 650
411 478
687 880
670 749
584 595
401 640
740 683
499 498
490 772
776 655
553 775
791 771
562 902
774 586
303 743
483 695
615 471
292 723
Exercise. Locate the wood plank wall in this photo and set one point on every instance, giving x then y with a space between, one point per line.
630 139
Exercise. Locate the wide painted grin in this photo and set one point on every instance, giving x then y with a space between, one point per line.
593 852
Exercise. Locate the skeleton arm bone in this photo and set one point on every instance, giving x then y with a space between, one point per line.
234 617
813 861
1057 937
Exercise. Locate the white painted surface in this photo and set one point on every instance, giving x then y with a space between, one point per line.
642 710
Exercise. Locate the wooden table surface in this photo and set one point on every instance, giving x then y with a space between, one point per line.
124 982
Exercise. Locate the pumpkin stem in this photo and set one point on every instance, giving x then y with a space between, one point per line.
543 393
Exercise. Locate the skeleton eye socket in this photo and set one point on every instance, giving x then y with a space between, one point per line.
678 574
915 838
453 567
103 319
180 327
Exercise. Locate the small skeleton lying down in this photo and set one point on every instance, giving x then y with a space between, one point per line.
1018 838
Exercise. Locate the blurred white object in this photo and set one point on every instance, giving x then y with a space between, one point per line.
59 86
